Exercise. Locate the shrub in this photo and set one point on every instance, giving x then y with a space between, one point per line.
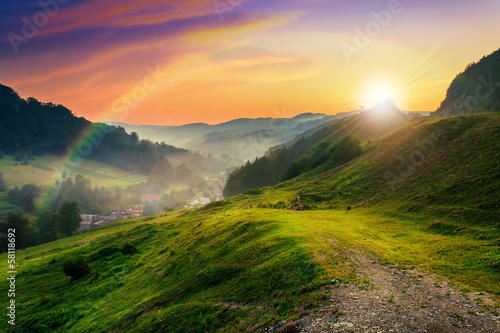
255 191
76 269
213 205
280 205
128 249
104 252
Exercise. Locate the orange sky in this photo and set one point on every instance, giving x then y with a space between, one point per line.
177 62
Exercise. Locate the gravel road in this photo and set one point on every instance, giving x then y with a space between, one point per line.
397 300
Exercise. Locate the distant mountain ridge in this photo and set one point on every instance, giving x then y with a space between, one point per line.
316 147
33 127
30 128
242 139
301 116
475 90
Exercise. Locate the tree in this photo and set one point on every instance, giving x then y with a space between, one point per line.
348 149
149 209
79 178
118 193
46 225
24 234
64 174
134 138
25 197
68 219
2 185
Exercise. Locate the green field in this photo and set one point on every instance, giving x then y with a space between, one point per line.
246 263
46 170
6 207
191 266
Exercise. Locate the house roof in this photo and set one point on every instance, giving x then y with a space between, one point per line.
101 223
149 197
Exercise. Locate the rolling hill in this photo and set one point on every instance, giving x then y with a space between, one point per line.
309 151
39 141
423 196
242 139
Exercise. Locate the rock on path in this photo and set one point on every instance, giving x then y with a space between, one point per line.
397 300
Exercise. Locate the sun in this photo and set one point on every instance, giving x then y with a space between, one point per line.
379 94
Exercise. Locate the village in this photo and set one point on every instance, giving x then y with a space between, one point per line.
118 213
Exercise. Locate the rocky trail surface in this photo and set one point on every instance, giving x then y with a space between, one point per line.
398 300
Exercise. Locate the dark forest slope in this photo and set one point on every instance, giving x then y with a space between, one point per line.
476 89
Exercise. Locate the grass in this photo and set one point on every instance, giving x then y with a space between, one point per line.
193 263
6 207
45 170
204 263
242 264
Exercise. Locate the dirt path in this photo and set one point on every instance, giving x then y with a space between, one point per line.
395 300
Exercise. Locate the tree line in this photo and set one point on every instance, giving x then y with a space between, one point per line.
479 83
289 162
30 127
47 227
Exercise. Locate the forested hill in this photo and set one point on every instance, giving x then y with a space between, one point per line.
476 89
330 146
31 127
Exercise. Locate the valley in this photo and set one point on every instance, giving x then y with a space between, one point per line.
250 166
248 264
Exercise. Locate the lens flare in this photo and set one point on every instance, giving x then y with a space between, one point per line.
379 94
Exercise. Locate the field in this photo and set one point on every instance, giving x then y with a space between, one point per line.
46 170
209 261
246 263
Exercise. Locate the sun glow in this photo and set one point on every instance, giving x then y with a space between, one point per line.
379 94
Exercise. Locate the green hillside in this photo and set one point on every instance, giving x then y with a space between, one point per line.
425 165
315 149
246 264
476 89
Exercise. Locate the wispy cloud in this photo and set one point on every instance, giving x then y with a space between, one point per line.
262 55
126 13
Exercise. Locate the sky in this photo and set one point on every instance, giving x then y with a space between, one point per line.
177 62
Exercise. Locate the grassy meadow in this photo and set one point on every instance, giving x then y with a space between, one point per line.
247 263
228 268
46 170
